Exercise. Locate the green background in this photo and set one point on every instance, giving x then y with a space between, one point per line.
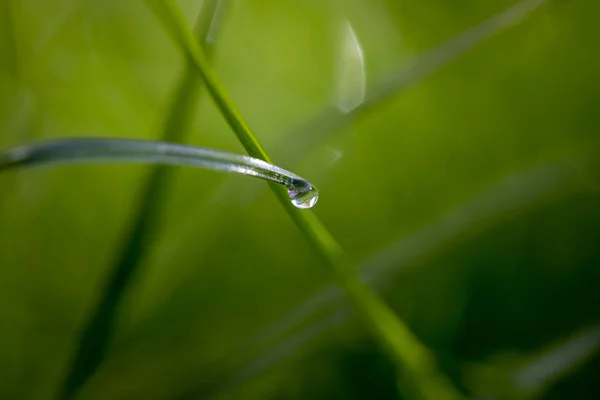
470 199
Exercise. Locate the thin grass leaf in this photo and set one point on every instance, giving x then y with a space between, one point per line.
529 376
146 222
416 366
7 15
538 373
107 150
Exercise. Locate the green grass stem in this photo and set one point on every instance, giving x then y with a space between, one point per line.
93 343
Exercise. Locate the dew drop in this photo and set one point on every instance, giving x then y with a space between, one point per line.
303 196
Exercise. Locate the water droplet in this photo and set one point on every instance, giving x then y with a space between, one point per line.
303 195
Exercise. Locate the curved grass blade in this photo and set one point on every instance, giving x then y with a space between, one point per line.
92 150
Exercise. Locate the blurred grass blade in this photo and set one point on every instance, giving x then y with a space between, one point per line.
11 60
93 343
110 150
306 136
185 98
420 378
529 376
277 353
535 376
351 75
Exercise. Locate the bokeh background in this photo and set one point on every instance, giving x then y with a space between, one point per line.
457 166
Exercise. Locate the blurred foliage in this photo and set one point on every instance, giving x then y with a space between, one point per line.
228 267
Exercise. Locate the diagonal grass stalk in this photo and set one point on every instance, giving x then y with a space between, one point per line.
419 375
146 222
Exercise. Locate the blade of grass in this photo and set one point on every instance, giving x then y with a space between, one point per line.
13 57
540 371
93 342
531 375
419 376
110 150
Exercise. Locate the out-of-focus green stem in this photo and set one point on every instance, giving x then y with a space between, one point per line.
93 343
419 376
